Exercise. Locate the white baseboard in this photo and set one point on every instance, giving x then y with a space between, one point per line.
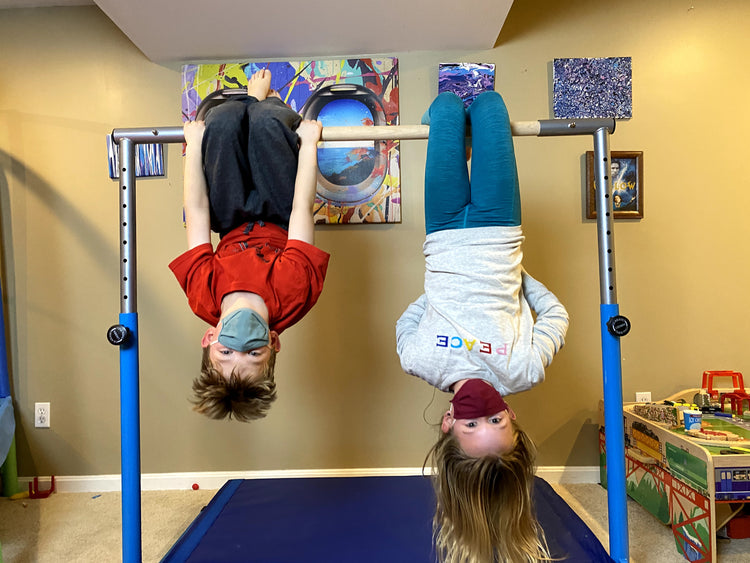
570 475
212 480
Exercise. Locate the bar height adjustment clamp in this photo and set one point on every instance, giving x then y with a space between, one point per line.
118 334
618 326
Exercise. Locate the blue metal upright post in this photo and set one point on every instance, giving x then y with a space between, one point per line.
126 336
130 441
613 326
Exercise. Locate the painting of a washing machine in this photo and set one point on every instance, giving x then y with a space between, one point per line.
358 181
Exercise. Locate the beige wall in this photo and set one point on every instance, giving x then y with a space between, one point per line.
69 77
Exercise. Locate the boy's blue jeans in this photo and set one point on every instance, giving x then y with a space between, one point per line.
250 153
491 197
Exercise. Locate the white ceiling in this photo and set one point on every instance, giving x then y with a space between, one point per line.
196 30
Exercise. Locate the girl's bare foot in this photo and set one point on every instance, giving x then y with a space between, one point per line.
259 84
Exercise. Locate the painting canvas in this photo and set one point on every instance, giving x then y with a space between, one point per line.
626 173
584 88
358 181
149 159
467 80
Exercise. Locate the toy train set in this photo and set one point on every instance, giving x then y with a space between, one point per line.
688 462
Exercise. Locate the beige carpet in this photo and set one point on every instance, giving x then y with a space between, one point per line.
82 527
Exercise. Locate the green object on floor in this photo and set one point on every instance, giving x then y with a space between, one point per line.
9 475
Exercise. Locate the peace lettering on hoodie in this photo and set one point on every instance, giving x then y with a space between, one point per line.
456 342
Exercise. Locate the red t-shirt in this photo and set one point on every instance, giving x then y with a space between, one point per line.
287 274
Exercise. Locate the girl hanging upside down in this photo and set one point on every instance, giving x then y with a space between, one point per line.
483 328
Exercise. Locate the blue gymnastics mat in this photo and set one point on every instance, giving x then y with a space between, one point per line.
347 520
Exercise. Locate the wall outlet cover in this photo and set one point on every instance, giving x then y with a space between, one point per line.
41 415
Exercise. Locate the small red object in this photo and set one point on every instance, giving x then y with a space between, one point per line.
195 486
739 527
35 492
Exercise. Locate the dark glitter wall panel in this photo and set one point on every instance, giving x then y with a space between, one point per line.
592 88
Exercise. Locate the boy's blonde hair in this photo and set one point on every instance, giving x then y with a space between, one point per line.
485 510
218 397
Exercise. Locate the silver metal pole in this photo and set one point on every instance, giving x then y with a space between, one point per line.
605 229
128 286
145 135
561 127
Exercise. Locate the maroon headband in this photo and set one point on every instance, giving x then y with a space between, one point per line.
475 399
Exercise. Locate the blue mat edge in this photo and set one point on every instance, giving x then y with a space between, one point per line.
584 545
194 533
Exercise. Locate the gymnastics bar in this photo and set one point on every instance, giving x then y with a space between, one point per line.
541 128
613 325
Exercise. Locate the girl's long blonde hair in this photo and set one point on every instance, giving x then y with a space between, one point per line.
485 511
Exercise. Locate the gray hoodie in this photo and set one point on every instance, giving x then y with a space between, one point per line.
475 319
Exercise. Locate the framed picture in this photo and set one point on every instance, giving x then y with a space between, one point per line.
466 80
149 159
627 185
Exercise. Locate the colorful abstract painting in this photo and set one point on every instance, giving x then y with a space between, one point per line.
585 88
149 159
358 181
467 80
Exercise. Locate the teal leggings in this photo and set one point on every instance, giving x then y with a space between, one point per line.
491 197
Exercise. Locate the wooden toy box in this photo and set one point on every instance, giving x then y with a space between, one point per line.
686 482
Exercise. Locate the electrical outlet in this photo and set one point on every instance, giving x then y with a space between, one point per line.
41 415
643 397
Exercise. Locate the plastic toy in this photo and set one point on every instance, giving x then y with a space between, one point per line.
36 493
736 398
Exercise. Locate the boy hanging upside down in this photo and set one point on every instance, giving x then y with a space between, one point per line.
250 176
